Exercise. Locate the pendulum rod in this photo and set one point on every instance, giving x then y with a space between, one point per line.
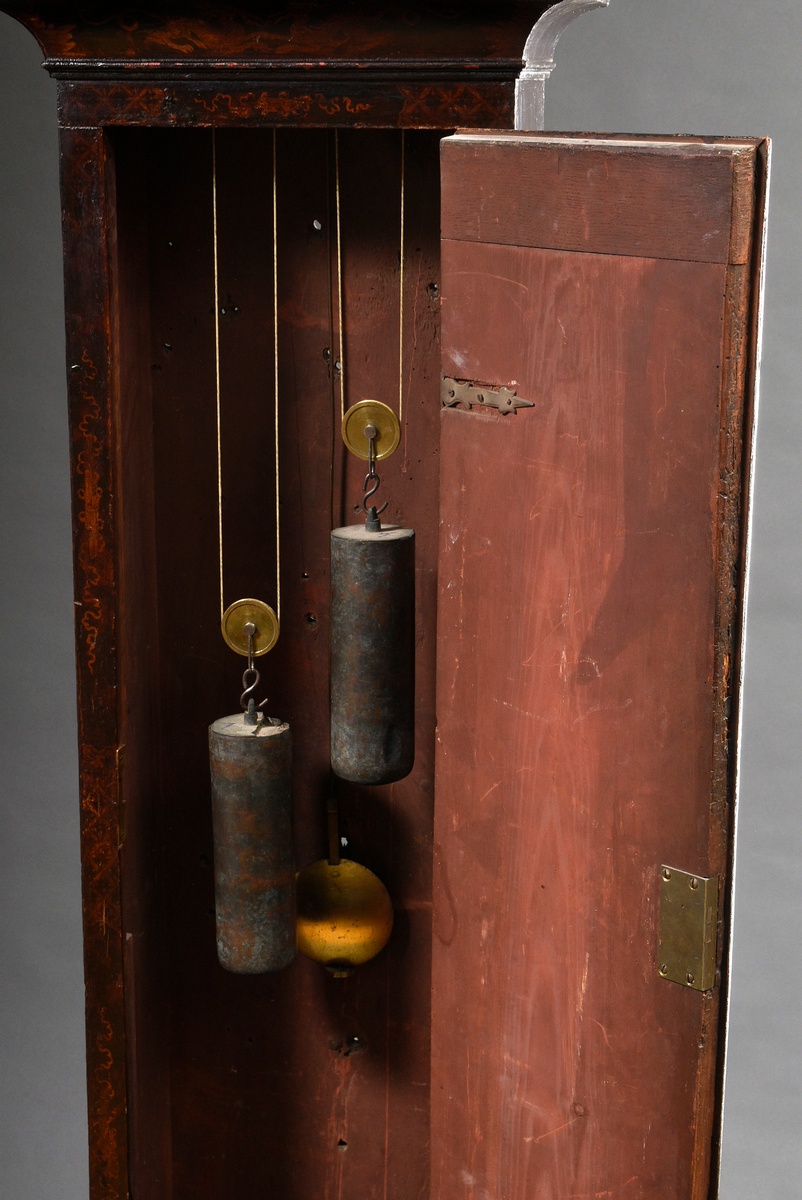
333 824
218 378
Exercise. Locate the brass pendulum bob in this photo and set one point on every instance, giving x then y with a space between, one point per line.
345 915
372 624
254 867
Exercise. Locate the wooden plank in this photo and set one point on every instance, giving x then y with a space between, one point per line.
649 198
586 625
142 876
739 448
89 236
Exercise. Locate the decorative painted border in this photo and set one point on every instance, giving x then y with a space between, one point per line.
330 102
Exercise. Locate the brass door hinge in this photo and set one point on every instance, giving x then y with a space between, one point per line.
457 391
686 952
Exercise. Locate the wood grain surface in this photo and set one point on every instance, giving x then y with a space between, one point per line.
225 37
88 183
297 1083
603 196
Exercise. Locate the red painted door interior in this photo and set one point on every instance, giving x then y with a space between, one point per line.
590 590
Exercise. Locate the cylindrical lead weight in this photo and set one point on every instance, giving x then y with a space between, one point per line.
372 653
254 867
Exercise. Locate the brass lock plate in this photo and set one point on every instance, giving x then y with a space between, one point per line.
686 951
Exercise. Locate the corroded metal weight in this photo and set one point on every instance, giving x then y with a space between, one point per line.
254 867
372 653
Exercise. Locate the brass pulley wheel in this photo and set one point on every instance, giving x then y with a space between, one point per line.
257 613
371 413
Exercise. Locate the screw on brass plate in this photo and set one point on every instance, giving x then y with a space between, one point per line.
691 979
663 968
694 884
666 873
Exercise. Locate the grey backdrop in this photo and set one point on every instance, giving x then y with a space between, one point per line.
692 66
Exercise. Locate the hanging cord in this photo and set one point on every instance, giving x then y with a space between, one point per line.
341 340
217 376
275 378
329 352
401 287
341 351
218 386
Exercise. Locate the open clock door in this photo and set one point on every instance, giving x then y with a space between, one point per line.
591 590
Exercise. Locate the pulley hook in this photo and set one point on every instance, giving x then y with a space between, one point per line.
250 681
372 483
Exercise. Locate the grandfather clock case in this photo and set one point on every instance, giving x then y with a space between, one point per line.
568 324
